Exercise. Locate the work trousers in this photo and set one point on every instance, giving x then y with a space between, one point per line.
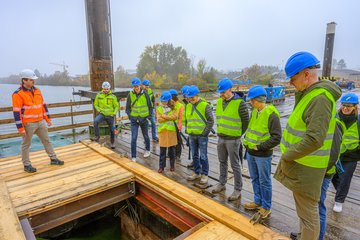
39 128
307 210
342 181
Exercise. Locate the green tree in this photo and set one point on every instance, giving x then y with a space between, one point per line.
164 59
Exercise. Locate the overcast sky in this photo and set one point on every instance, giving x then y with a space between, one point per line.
229 34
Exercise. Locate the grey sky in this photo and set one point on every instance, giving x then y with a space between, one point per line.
229 34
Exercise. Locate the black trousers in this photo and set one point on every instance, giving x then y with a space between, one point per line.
172 155
341 181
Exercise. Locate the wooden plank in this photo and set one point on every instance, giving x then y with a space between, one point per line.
53 105
215 231
42 190
17 172
231 219
53 129
9 222
38 153
45 178
73 193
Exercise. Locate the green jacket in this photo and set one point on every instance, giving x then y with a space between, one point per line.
317 115
106 104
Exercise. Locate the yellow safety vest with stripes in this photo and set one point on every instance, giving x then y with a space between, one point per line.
194 124
258 129
350 139
140 108
296 128
168 125
228 120
332 170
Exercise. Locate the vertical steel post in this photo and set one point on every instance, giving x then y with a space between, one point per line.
98 24
329 46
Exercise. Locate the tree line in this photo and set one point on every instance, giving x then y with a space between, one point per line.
166 66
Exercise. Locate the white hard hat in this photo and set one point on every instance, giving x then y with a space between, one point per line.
106 85
28 73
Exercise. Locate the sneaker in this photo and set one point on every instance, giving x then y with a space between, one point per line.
56 161
219 188
204 179
147 154
95 139
113 146
29 169
160 170
337 207
193 177
264 212
155 140
172 169
294 236
133 159
251 206
235 195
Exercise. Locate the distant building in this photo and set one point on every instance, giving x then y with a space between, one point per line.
344 74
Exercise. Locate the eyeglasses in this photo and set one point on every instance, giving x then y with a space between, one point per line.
347 106
315 66
28 79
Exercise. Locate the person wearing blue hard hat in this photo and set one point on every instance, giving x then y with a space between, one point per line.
232 121
138 109
167 114
199 121
307 138
349 117
146 88
179 122
264 133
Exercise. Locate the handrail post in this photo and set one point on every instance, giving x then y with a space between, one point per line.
72 120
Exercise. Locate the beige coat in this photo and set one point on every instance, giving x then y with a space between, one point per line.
167 138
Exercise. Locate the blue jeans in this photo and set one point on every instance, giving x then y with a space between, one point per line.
110 121
201 164
322 207
260 173
144 125
153 125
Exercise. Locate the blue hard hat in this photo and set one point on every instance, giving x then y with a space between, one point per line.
300 61
165 96
135 82
192 91
184 89
351 98
146 82
173 92
224 84
256 91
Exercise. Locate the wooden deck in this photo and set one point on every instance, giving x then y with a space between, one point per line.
49 196
283 219
85 174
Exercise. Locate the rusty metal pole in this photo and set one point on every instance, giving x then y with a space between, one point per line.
98 24
329 46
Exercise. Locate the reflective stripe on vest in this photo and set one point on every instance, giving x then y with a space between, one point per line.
140 108
194 124
258 129
168 125
228 120
350 139
296 128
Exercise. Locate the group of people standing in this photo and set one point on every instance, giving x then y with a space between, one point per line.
318 143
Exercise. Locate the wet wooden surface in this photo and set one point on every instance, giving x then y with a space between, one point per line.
283 218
